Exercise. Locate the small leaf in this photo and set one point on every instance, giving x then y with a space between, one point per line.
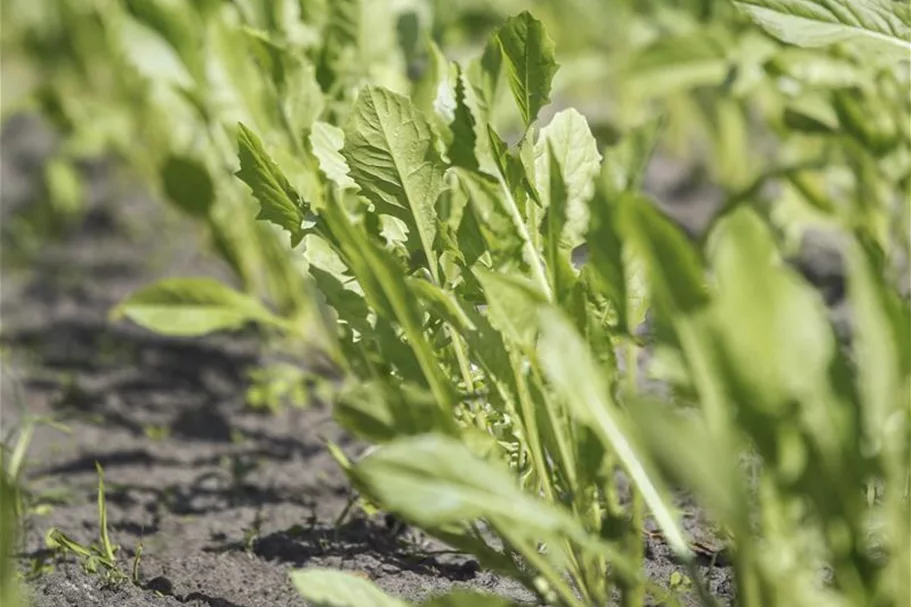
813 23
279 202
512 305
625 163
327 141
188 185
530 63
331 588
462 150
191 307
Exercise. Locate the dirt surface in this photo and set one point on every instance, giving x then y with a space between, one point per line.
225 500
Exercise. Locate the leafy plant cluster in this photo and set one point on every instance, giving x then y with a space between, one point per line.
424 238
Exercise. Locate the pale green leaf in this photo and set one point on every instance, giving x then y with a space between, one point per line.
279 201
812 23
152 55
529 58
436 480
468 598
576 152
486 206
331 588
191 307
513 303
327 141
882 325
390 150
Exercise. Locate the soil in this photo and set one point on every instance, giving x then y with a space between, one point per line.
223 499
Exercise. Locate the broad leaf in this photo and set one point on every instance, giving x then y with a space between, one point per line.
191 307
437 481
885 23
279 201
530 63
576 153
331 588
390 150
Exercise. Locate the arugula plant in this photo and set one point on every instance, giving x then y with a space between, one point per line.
475 352
484 362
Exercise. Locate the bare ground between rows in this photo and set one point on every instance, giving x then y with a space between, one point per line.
224 500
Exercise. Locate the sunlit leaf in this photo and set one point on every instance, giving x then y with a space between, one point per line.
331 588
885 23
190 307
390 151
530 63
279 202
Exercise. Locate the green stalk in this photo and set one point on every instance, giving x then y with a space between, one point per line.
633 595
542 566
528 247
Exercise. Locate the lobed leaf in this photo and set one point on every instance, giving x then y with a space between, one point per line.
279 201
390 149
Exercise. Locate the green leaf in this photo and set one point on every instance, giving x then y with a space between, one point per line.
813 23
191 307
576 153
674 267
279 202
530 64
331 588
188 185
462 150
494 222
568 363
468 598
390 149
683 446
435 481
625 163
606 258
558 251
327 141
783 354
882 325
382 410
513 303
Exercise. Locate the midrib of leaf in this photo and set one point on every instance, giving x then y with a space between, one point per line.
757 7
404 178
413 203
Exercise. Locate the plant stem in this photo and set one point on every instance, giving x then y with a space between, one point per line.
528 247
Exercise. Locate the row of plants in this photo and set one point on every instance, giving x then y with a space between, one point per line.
417 232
